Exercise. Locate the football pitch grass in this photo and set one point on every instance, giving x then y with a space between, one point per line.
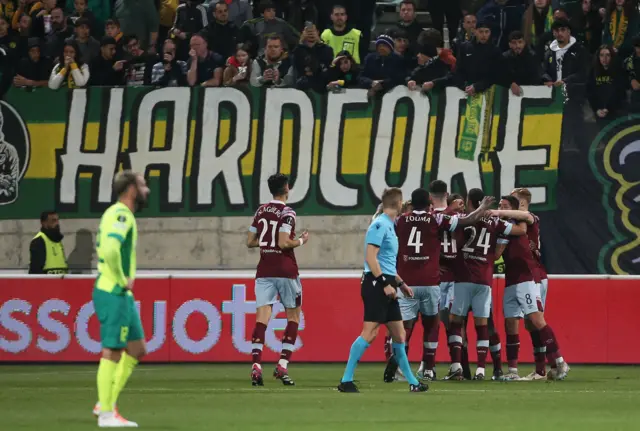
220 397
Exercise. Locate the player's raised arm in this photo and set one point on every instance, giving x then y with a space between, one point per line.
518 215
473 218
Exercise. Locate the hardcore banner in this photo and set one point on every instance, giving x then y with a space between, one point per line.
208 152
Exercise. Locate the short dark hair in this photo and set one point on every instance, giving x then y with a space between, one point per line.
475 196
83 21
123 180
338 6
561 23
409 2
222 3
431 36
453 197
44 215
420 199
513 201
278 184
129 38
438 187
515 35
266 5
112 21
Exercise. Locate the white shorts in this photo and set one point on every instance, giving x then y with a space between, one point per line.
446 294
425 300
268 290
543 286
474 296
521 299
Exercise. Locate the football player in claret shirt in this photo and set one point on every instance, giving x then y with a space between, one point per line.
522 295
472 288
419 265
540 277
273 231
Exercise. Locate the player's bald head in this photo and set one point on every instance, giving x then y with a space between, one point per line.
420 199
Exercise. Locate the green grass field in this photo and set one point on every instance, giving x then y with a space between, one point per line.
220 397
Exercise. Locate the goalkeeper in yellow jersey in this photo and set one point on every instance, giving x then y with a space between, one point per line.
121 331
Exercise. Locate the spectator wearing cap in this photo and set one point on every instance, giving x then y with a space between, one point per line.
89 47
222 35
259 30
239 11
565 67
343 73
311 59
430 67
409 24
41 20
621 25
632 68
606 86
340 36
112 29
587 26
521 65
431 36
191 17
205 67
504 17
238 70
536 26
26 7
383 69
33 70
70 72
139 17
81 10
467 31
61 31
105 69
479 64
274 68
170 72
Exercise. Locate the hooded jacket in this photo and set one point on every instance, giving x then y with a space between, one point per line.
569 64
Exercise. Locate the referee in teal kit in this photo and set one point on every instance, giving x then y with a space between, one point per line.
379 283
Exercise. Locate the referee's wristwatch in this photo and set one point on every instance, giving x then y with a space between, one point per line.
401 283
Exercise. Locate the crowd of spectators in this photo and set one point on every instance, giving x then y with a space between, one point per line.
589 48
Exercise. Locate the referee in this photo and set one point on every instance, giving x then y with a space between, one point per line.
378 292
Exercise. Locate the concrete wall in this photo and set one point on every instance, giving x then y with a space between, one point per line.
195 243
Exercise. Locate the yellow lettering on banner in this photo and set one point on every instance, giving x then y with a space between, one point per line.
400 132
543 131
316 148
248 162
286 147
356 146
431 144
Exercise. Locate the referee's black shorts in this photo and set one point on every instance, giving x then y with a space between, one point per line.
378 307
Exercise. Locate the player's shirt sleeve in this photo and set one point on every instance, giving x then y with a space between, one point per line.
503 227
253 227
288 221
446 222
375 234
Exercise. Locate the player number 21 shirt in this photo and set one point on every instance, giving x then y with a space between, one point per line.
268 222
419 246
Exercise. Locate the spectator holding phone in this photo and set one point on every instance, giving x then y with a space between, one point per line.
71 72
311 59
274 68
343 73
169 72
106 71
204 66
238 70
